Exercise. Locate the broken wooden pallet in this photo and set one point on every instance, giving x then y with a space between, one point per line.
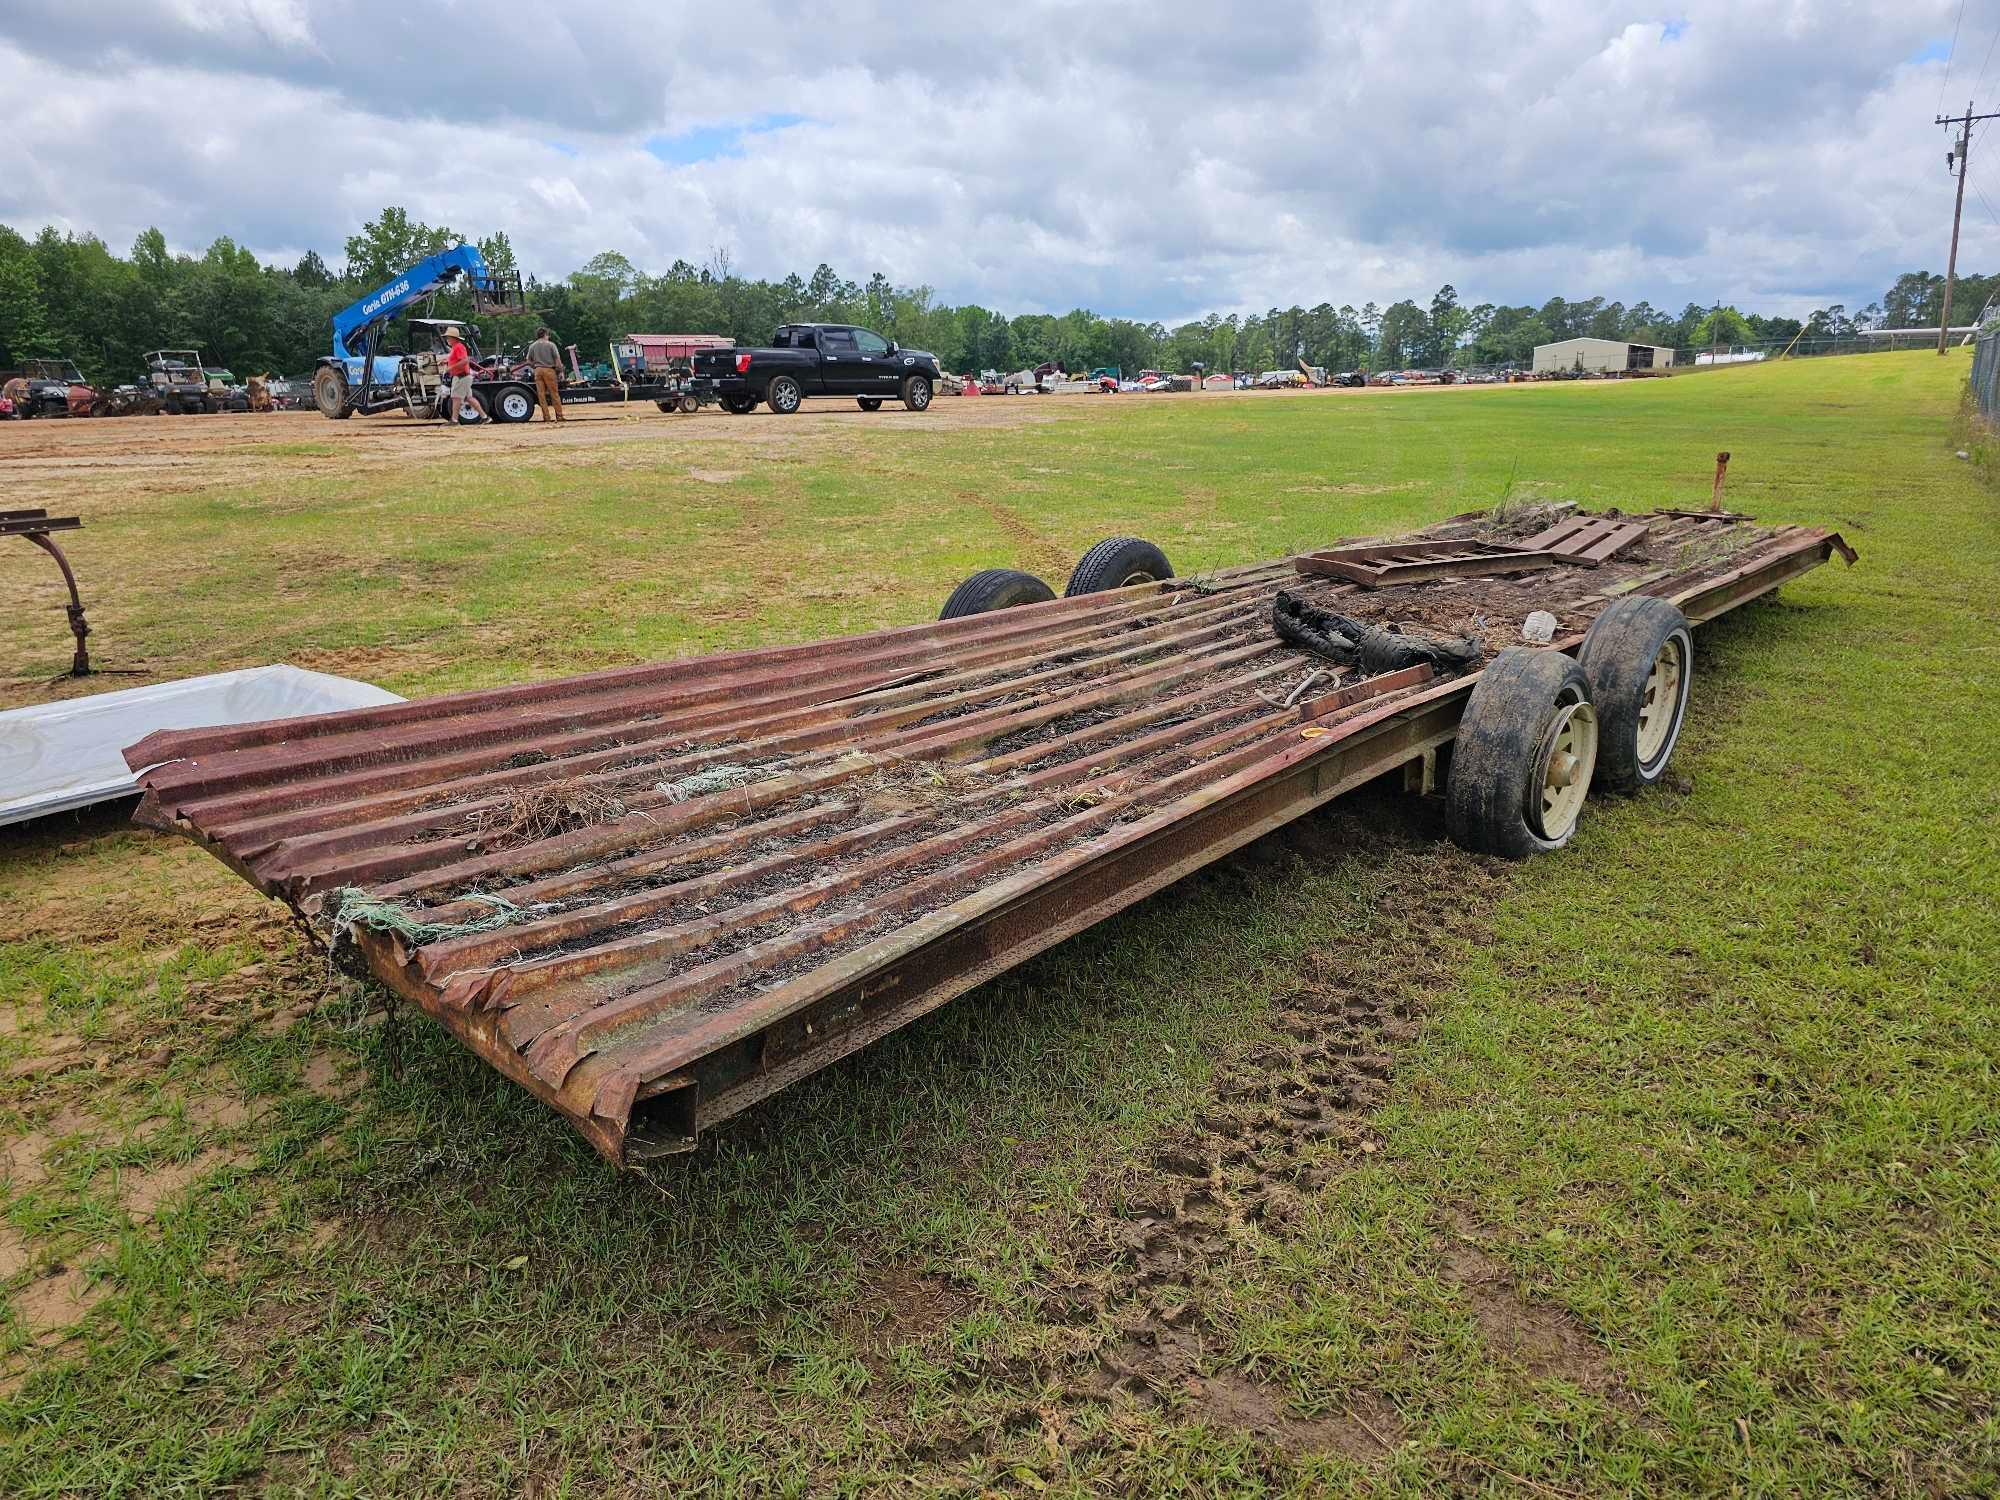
1419 562
1588 540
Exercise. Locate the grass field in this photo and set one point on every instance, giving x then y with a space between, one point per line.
1351 1165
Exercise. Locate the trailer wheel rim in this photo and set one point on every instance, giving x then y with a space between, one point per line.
1563 770
1137 575
1660 702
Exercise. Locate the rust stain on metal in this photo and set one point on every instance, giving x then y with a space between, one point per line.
769 858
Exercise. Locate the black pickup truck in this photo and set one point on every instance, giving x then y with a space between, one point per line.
816 359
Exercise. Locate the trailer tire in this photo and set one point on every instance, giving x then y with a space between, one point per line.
1639 658
1117 562
995 588
783 395
514 404
689 406
868 403
330 392
917 392
1522 762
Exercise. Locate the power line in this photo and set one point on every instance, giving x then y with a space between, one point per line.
1989 59
1989 207
1950 53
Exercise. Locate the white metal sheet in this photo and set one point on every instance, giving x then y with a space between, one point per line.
58 756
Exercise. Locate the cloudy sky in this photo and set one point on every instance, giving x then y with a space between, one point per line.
1151 160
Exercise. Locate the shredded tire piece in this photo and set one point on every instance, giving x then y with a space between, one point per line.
1356 643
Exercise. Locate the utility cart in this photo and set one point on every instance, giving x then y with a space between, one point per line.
655 895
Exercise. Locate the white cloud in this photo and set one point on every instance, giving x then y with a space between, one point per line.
1155 160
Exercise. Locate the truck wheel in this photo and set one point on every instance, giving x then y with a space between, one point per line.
916 393
1117 562
784 395
869 403
1522 763
330 392
1639 659
995 588
513 404
738 406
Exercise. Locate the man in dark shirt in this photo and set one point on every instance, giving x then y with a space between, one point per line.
545 359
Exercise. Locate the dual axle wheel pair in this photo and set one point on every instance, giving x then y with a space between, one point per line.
1541 728
1116 562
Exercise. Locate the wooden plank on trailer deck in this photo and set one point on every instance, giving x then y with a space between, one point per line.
1543 541
1609 544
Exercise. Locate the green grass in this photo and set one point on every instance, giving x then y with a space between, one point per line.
1686 1182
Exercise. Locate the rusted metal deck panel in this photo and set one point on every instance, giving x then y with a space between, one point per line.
724 872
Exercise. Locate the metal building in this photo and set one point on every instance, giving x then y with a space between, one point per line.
1600 355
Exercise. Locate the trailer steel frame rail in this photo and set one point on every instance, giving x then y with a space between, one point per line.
681 956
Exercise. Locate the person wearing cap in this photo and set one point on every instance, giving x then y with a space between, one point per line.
545 359
458 369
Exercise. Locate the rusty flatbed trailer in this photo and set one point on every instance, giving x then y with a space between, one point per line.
655 895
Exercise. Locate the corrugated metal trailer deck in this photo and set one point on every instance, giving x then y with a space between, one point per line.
725 872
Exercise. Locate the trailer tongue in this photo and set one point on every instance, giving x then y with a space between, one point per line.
655 895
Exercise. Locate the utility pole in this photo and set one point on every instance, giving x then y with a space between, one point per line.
1964 123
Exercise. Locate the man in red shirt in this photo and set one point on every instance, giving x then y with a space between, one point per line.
458 370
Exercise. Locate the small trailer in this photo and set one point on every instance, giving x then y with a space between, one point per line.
656 895
656 367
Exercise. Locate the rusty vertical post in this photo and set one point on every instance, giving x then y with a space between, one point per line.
78 626
1721 474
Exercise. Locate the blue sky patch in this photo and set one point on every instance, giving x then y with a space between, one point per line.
1670 31
708 142
1935 51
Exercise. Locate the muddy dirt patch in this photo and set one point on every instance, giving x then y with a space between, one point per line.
1538 1341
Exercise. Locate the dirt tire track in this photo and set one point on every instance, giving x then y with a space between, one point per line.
1287 1118
1049 560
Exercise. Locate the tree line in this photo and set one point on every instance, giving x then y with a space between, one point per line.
69 294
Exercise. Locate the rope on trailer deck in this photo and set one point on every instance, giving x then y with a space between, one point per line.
349 907
714 779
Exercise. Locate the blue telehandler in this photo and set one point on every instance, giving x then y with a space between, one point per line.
363 376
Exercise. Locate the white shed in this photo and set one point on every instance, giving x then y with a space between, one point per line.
1600 355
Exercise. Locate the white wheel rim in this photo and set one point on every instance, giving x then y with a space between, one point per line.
1660 703
1140 576
1565 769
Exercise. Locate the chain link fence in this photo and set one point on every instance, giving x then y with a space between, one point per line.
1985 377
